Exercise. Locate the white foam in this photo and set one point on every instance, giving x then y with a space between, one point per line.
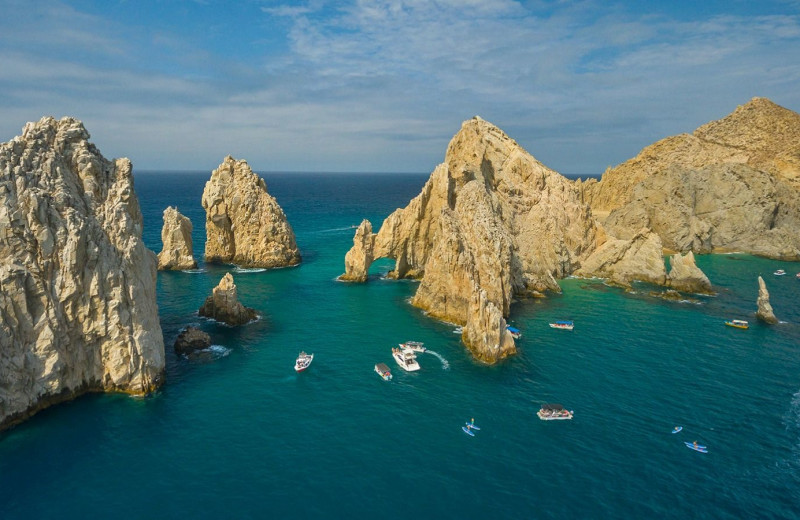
445 363
193 271
244 270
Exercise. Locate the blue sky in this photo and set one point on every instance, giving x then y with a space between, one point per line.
383 85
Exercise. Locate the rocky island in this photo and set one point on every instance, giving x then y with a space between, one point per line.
176 237
223 305
244 224
493 224
77 285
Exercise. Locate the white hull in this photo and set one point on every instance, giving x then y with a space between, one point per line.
406 359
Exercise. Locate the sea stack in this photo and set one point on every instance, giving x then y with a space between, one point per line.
244 224
764 312
684 275
360 256
223 304
77 284
176 237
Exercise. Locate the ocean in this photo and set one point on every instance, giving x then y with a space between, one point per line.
237 434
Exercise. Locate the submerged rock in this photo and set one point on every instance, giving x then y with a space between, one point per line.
223 304
244 224
176 237
764 312
77 284
191 339
684 275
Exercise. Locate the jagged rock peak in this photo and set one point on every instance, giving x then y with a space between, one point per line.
244 224
361 255
223 305
684 275
176 237
764 312
77 284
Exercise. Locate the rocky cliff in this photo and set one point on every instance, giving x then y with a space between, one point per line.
491 222
176 237
77 285
244 224
732 185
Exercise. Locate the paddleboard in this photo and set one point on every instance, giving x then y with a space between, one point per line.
677 429
472 426
466 430
701 449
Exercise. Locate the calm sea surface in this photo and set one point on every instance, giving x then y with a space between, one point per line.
240 435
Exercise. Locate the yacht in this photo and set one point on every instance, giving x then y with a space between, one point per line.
303 361
406 359
416 346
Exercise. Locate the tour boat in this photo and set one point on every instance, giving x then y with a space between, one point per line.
416 346
563 324
554 412
515 333
739 324
406 359
303 361
383 371
779 272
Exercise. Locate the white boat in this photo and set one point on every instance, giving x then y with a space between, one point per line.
416 346
383 371
779 272
406 359
303 361
554 412
563 324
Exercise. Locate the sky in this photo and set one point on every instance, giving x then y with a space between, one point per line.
382 86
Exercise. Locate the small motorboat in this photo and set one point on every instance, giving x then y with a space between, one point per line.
515 333
406 359
303 361
383 371
779 272
554 412
416 346
563 324
739 324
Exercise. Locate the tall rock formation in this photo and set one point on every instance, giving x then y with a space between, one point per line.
360 256
244 224
223 304
77 285
684 275
764 312
176 237
492 222
732 185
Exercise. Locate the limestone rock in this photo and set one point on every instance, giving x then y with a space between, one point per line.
732 185
176 237
223 304
244 224
191 339
360 256
764 312
624 260
77 285
490 218
684 275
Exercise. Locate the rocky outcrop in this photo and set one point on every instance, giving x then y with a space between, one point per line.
77 285
176 237
732 185
623 261
223 304
685 276
244 224
190 340
491 223
360 256
764 312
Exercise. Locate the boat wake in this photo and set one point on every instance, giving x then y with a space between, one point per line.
249 269
336 230
445 364
193 271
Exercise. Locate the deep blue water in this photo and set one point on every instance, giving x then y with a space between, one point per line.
243 436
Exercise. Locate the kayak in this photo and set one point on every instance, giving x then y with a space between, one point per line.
466 430
677 429
472 426
701 449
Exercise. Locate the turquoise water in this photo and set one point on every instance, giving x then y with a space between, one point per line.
240 435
